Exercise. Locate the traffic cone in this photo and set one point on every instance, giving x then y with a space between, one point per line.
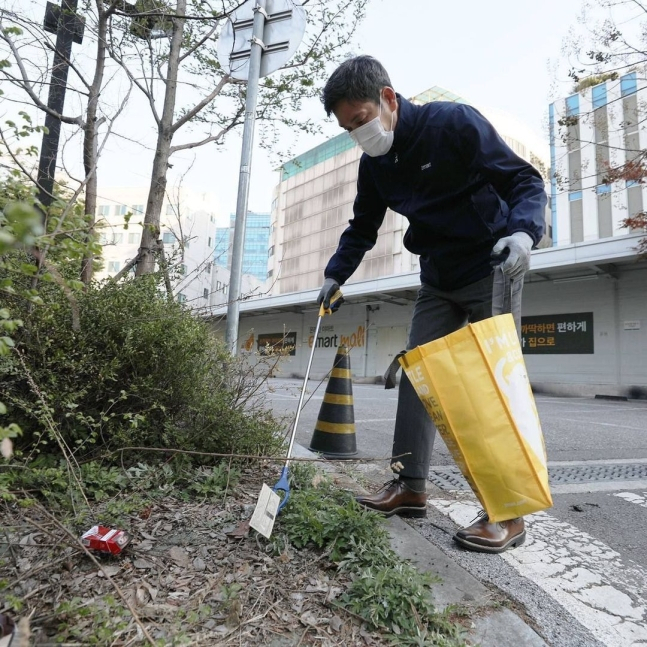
334 434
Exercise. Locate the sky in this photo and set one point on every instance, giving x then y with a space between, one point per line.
504 55
494 54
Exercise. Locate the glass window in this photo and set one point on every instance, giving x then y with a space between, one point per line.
573 105
168 238
182 269
575 195
113 266
209 243
599 95
205 293
133 239
631 183
170 210
117 239
104 210
603 188
137 208
628 84
120 210
181 298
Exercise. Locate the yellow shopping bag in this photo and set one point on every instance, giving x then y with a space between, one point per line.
475 387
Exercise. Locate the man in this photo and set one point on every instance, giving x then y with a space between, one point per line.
466 196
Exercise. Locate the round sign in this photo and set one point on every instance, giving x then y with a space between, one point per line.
282 35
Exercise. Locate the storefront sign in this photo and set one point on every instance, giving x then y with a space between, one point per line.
558 334
329 339
280 343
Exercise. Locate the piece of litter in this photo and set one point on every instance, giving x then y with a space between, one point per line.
265 513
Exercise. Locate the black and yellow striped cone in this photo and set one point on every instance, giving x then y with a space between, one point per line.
334 434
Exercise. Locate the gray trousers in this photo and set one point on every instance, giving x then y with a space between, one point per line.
436 314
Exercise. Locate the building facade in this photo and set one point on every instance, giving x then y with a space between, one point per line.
313 203
255 246
593 131
584 320
188 231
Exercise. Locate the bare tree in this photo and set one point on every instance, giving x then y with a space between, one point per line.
22 36
212 103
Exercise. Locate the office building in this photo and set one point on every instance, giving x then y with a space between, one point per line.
188 228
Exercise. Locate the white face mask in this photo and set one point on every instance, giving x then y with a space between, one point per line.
372 138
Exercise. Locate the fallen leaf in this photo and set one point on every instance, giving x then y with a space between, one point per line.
152 591
23 564
141 596
316 586
240 531
157 610
333 592
309 619
142 563
297 601
336 623
198 564
110 571
179 556
147 544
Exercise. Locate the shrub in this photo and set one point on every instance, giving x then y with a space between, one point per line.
140 371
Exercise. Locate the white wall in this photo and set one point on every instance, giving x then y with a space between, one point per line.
617 365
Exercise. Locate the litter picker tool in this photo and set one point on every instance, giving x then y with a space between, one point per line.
269 502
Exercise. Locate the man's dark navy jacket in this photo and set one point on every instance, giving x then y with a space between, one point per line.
459 185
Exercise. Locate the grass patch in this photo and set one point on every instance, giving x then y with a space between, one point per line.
387 592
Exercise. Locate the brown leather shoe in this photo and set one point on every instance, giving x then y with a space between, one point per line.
486 537
396 497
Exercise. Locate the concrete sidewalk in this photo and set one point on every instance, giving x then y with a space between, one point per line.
491 624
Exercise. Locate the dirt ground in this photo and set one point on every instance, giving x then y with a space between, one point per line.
191 575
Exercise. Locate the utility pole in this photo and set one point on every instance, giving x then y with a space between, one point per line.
251 98
259 38
68 27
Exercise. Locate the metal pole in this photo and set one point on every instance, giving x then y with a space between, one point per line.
305 383
243 180
56 100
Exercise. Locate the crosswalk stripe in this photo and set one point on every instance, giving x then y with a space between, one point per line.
634 497
585 576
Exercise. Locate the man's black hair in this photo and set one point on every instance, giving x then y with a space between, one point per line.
357 79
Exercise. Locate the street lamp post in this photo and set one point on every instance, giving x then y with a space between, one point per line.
68 27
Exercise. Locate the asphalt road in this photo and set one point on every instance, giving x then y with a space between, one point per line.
582 574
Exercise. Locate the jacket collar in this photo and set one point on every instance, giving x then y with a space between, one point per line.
407 120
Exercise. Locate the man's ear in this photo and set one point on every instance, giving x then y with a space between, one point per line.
389 96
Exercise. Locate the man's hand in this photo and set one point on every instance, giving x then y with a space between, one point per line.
519 245
328 289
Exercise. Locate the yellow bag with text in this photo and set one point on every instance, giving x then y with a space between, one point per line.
475 387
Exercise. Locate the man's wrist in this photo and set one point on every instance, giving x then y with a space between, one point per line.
525 237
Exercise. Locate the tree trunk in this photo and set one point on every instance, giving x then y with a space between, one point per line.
151 232
90 144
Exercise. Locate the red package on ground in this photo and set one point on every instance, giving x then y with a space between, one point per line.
105 540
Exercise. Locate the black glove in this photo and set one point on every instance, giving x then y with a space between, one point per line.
328 289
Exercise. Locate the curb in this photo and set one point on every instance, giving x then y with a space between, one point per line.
492 627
